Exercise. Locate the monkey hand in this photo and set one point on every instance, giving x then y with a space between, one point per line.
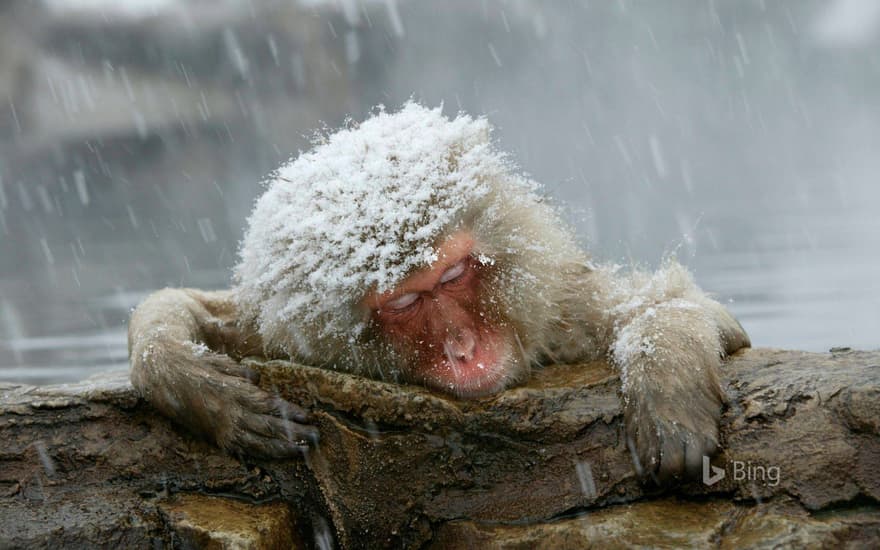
213 396
670 429
672 397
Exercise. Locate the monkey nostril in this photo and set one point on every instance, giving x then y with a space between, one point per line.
462 347
467 345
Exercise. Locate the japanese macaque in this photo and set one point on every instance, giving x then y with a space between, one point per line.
408 248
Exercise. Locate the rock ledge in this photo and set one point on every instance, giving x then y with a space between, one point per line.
543 465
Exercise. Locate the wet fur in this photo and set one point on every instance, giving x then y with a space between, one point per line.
661 332
665 336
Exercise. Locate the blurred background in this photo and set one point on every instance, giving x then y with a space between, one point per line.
744 137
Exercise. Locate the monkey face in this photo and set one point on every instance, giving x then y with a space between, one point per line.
396 203
442 326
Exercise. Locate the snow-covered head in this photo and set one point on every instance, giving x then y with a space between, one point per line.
365 208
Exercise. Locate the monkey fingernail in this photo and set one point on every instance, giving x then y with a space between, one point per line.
289 411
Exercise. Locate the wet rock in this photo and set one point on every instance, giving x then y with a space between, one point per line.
211 522
86 465
394 459
90 464
674 523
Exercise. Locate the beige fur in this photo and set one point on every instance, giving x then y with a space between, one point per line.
664 335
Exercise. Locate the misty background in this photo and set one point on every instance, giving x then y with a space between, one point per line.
742 137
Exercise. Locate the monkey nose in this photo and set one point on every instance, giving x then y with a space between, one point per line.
463 346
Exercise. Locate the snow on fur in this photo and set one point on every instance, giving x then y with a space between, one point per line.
359 211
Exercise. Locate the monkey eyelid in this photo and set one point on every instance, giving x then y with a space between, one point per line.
453 272
403 301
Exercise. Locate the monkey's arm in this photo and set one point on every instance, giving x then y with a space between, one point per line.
182 344
669 339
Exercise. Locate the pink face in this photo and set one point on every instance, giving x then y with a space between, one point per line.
434 320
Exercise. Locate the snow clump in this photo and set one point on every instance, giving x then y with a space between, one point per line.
360 211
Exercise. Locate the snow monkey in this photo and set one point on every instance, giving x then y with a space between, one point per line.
408 248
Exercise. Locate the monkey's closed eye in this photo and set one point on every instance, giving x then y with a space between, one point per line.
454 273
402 303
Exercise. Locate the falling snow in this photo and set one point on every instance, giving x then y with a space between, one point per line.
132 142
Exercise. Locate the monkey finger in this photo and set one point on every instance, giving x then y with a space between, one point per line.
256 400
697 448
682 452
657 448
289 411
672 457
227 366
272 426
251 443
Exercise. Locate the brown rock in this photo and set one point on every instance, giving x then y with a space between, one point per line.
90 465
394 459
673 523
221 523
